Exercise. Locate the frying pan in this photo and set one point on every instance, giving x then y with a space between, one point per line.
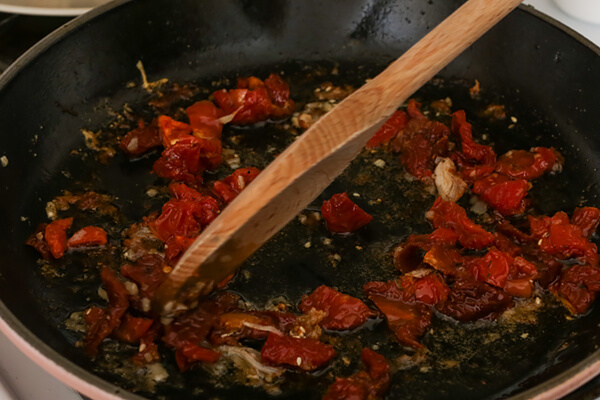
77 77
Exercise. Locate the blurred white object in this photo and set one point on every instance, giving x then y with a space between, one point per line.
49 7
585 10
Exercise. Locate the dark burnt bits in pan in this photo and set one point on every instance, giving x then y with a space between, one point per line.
346 262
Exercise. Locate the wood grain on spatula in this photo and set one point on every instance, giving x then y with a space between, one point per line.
312 162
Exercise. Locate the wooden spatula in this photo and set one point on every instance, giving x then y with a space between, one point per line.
312 162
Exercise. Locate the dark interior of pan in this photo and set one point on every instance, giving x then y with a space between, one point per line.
546 78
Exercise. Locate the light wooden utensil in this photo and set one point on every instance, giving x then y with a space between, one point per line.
311 163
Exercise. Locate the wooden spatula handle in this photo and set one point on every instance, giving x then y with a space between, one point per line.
310 164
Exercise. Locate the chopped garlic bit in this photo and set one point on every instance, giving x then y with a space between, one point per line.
4 161
379 163
449 184
307 245
298 361
51 210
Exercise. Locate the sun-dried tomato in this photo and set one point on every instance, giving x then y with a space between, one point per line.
388 130
110 318
470 300
176 246
493 268
431 289
38 242
343 311
445 214
520 279
181 162
446 260
56 236
132 329
577 287
148 349
370 384
477 152
88 236
229 188
141 139
528 165
408 319
408 256
147 272
296 353
587 218
342 215
192 353
172 131
502 194
204 119
250 106
279 93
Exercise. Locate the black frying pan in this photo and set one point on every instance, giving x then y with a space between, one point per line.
74 78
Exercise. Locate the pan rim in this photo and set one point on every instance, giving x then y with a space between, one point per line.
95 387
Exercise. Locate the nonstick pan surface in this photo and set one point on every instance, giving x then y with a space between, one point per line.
77 78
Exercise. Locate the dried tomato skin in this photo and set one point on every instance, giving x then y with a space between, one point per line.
285 351
149 349
278 90
180 162
111 316
480 153
343 311
493 268
408 257
528 165
577 287
172 131
132 329
204 117
38 242
342 215
502 194
431 289
450 215
147 272
470 300
586 218
88 236
56 236
228 188
388 130
141 139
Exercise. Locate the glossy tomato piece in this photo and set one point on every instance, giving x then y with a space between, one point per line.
56 236
477 152
343 311
181 162
296 353
408 319
502 194
148 273
278 90
408 256
88 236
587 219
110 319
37 241
370 384
132 329
493 268
141 139
577 287
446 260
250 106
528 165
204 119
445 214
388 130
229 188
470 300
342 215
431 289
176 246
172 131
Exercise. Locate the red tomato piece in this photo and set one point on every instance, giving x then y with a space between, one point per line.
502 194
470 300
88 236
414 109
369 384
296 353
409 320
191 353
587 219
278 90
111 316
181 162
37 241
389 130
567 241
147 272
445 214
204 119
229 188
175 246
528 165
521 278
445 260
493 268
148 349
342 215
408 255
480 153
343 311
56 236
431 289
172 131
540 226
141 139
577 287
132 328
250 106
